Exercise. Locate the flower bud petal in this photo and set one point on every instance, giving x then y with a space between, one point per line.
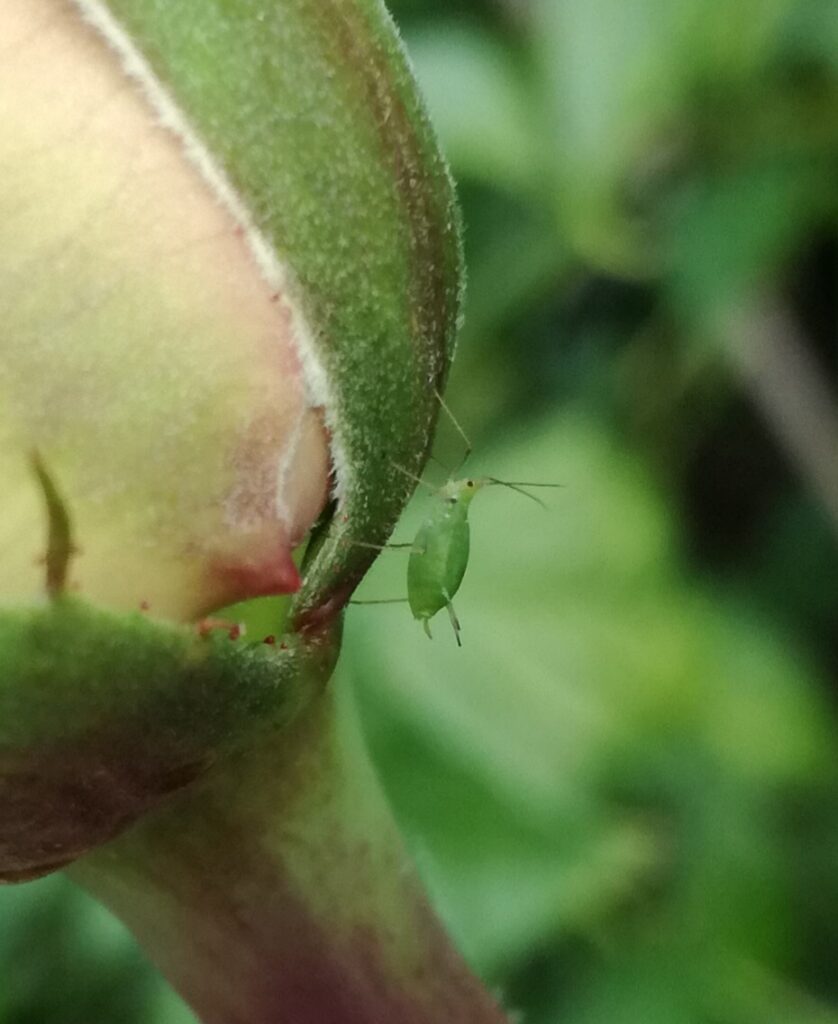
143 354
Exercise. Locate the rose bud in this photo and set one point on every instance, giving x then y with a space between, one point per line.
230 278
146 355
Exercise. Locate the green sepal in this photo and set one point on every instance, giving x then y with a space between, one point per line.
312 113
102 716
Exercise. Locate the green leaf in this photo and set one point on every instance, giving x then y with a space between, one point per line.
627 87
479 104
735 230
614 740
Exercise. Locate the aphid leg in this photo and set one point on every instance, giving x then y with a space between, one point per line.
60 547
455 622
415 478
379 547
426 625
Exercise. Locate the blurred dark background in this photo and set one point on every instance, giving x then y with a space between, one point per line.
623 790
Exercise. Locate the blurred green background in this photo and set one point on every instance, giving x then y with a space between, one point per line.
623 791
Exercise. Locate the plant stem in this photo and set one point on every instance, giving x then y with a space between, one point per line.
774 360
278 891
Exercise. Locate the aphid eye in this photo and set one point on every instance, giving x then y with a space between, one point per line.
469 483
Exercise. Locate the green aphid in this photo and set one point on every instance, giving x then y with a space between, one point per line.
439 554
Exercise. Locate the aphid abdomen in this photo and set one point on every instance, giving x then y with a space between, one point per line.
438 561
458 552
425 571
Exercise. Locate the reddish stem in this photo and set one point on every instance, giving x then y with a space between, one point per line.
279 892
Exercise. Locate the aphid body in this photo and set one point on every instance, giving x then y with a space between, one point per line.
439 554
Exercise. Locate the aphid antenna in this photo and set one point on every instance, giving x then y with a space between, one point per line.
520 486
384 600
522 483
60 546
445 407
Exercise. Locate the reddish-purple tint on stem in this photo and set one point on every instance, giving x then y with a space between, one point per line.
280 908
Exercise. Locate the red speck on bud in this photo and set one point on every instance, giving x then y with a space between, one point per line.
269 640
207 626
